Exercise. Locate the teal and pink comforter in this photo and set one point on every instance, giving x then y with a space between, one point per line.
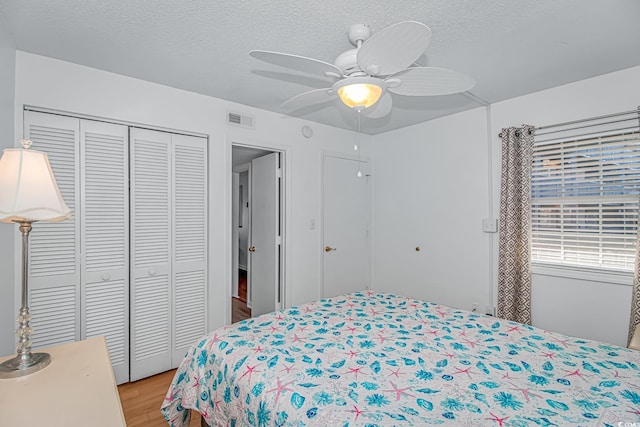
376 359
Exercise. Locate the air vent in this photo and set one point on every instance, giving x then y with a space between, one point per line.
238 119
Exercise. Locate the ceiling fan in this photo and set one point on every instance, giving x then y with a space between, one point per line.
380 65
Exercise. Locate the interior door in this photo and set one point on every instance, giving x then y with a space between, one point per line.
105 239
79 269
346 218
150 234
54 267
189 260
263 273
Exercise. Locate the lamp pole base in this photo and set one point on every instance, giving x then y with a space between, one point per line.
16 367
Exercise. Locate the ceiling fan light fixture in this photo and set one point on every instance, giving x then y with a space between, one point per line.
381 65
359 92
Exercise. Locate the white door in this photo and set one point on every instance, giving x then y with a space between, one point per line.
54 264
189 269
104 156
263 251
346 218
150 252
79 280
168 248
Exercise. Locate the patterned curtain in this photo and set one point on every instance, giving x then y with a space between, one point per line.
634 320
514 260
635 294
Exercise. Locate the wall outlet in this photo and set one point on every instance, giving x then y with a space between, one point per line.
474 307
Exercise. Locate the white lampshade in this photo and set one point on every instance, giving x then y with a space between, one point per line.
28 189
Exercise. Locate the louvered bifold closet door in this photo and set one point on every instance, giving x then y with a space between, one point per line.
54 264
190 242
104 149
150 164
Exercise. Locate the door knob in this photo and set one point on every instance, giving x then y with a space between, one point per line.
329 249
252 249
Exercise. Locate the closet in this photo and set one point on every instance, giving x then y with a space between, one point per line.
131 262
168 241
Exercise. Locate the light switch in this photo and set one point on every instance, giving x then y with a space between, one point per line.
312 224
490 225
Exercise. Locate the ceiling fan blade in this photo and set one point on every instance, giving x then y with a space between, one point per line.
306 99
394 48
430 81
380 108
299 63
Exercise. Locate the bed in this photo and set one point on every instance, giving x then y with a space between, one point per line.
377 359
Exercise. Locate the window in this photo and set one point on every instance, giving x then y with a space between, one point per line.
585 195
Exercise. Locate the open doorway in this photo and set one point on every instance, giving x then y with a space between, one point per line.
257 223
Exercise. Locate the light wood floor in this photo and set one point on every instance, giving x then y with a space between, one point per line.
239 311
141 401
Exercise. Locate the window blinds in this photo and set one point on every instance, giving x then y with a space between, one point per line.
585 193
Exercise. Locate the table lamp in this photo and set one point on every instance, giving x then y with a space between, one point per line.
28 193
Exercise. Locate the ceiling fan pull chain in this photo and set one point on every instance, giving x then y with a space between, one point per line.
358 112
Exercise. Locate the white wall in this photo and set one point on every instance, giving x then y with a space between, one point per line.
430 187
7 231
590 309
50 83
433 176
430 190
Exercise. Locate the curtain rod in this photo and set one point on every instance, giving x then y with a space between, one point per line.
637 111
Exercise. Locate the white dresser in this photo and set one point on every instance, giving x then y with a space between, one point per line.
78 388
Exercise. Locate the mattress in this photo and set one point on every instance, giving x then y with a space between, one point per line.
377 359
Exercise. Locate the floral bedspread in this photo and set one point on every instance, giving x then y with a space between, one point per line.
376 359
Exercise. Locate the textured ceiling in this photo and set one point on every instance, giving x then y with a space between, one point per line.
510 47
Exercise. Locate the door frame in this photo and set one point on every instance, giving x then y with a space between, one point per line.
368 175
235 235
235 238
285 212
